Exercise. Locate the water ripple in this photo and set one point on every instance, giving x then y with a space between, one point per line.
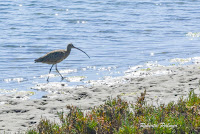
118 33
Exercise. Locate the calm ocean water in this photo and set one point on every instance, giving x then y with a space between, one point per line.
116 34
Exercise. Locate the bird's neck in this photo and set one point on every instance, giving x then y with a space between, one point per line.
67 52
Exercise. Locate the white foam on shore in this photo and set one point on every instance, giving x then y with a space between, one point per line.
15 94
196 60
4 91
14 79
108 80
23 95
181 61
47 75
75 78
52 87
67 71
149 69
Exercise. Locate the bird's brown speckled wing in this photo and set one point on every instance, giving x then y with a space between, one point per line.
52 57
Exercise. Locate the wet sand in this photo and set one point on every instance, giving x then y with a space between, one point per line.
163 84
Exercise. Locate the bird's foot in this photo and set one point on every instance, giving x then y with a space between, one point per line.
62 78
65 78
47 80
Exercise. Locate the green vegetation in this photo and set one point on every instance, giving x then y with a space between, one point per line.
117 116
146 69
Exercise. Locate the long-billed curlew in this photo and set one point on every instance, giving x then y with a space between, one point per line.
57 56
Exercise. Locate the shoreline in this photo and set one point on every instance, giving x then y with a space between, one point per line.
162 84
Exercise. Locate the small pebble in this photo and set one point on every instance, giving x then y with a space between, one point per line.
62 84
44 96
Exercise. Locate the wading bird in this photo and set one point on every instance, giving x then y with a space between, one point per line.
57 56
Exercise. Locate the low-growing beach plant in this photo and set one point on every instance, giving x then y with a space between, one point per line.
117 116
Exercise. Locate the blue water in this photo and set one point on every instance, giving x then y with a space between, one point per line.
116 34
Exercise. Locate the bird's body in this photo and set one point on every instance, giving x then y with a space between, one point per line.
57 56
53 57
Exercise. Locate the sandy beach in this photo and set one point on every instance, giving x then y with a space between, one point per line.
163 84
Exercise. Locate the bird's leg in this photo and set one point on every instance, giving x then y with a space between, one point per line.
59 72
49 73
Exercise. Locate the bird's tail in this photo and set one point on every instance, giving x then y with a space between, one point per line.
37 60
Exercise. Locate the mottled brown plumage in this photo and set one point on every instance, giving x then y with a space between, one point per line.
57 56
53 57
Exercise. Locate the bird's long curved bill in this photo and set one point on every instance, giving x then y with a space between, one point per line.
82 51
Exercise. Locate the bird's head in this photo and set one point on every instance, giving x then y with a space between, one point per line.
70 45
